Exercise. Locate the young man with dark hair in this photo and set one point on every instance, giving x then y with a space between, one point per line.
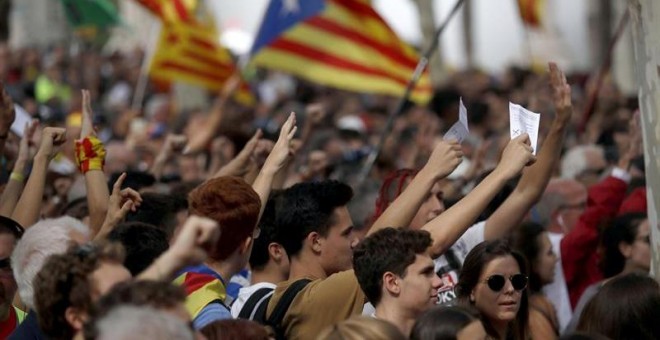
166 212
142 243
319 238
395 272
269 264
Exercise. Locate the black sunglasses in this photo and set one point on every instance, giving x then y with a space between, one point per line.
496 282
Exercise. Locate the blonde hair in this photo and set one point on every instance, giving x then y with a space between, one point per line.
362 327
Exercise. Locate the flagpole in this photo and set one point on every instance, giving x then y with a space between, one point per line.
421 66
604 68
143 80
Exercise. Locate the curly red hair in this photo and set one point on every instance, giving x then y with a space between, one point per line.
232 203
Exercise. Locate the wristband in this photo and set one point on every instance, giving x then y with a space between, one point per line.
17 176
90 154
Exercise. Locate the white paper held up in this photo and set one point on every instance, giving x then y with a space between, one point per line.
22 118
459 131
522 121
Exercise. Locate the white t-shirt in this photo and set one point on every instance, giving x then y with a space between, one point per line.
557 292
245 293
447 270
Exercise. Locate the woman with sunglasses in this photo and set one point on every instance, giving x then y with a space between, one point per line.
532 241
626 246
493 280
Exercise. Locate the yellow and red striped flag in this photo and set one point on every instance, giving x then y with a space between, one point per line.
531 12
202 286
171 10
188 49
340 43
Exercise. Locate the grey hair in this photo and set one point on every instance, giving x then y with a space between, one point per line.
574 162
43 239
133 323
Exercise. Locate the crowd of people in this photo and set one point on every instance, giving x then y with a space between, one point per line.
235 222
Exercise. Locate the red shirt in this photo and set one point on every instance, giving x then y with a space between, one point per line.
8 326
579 248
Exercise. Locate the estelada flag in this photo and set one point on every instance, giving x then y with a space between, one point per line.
339 43
531 12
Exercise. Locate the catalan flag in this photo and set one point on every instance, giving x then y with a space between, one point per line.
188 49
340 43
531 12
171 10
202 286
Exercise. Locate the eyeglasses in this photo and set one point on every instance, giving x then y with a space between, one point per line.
496 282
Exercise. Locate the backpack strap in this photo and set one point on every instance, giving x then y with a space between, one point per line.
255 301
275 319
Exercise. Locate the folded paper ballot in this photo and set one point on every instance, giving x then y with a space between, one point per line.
522 121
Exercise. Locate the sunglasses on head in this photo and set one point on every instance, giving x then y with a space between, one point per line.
496 282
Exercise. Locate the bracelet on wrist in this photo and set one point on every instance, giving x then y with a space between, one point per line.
90 154
17 176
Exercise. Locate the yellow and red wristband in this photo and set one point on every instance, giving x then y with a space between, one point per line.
90 154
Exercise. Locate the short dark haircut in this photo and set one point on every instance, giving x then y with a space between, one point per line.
159 210
136 180
443 323
526 241
260 255
475 262
156 294
625 308
622 229
306 208
142 242
374 256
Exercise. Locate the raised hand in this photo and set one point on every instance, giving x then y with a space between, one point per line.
198 236
561 93
284 147
51 139
240 165
120 203
446 156
87 116
26 143
516 155
261 152
231 86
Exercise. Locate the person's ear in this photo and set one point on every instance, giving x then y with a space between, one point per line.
391 283
315 241
245 245
625 249
75 318
276 252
